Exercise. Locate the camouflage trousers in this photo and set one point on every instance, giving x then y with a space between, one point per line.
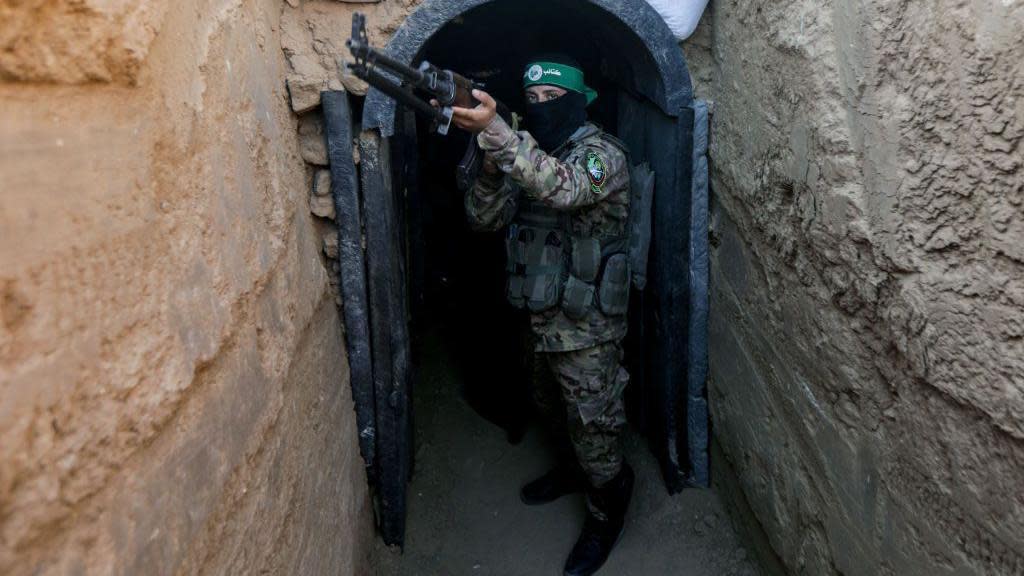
581 392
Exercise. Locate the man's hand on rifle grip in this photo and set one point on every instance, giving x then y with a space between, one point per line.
490 167
476 119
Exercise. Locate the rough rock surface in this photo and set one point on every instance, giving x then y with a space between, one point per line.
313 139
868 308
76 42
314 34
322 183
304 92
171 362
322 206
331 244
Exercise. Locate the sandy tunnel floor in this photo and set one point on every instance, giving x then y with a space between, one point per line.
465 516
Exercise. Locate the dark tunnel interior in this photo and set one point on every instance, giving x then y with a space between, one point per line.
456 275
493 43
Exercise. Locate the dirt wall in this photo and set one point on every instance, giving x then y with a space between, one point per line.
175 392
867 333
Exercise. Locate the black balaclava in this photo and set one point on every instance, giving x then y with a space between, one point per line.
551 123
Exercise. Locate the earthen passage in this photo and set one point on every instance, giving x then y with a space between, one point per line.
176 361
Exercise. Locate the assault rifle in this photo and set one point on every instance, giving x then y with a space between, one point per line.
447 87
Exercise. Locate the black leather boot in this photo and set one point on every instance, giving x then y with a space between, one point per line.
559 481
599 536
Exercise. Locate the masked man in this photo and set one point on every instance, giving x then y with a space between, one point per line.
562 189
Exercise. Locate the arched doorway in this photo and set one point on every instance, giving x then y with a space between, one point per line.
629 28
632 59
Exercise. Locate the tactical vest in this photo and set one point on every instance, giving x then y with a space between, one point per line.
548 265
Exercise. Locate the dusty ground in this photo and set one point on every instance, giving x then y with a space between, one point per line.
465 516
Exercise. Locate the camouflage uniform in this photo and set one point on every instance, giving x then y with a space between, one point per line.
589 179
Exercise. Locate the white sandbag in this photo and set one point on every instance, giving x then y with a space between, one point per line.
682 16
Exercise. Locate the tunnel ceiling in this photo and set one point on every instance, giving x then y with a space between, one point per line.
622 42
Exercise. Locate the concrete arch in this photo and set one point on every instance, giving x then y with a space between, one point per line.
672 92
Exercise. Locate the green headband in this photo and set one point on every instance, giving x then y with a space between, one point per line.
561 75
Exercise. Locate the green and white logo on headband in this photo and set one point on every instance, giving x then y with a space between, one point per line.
561 75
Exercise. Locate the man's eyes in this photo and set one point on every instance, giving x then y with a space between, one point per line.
533 98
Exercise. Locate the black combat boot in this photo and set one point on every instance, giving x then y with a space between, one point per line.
563 479
599 536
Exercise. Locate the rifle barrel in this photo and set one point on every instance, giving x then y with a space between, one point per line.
385 85
374 57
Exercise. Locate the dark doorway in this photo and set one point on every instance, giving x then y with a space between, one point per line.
423 265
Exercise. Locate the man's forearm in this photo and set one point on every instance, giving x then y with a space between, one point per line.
563 185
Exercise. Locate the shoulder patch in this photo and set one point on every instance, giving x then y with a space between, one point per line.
597 171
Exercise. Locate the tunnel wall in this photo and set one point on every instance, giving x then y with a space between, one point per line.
867 332
175 395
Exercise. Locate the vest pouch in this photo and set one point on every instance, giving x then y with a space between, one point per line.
578 298
541 292
586 259
613 291
512 248
537 258
545 265
515 292
536 264
516 247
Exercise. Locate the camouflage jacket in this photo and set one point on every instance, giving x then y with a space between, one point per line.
588 177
